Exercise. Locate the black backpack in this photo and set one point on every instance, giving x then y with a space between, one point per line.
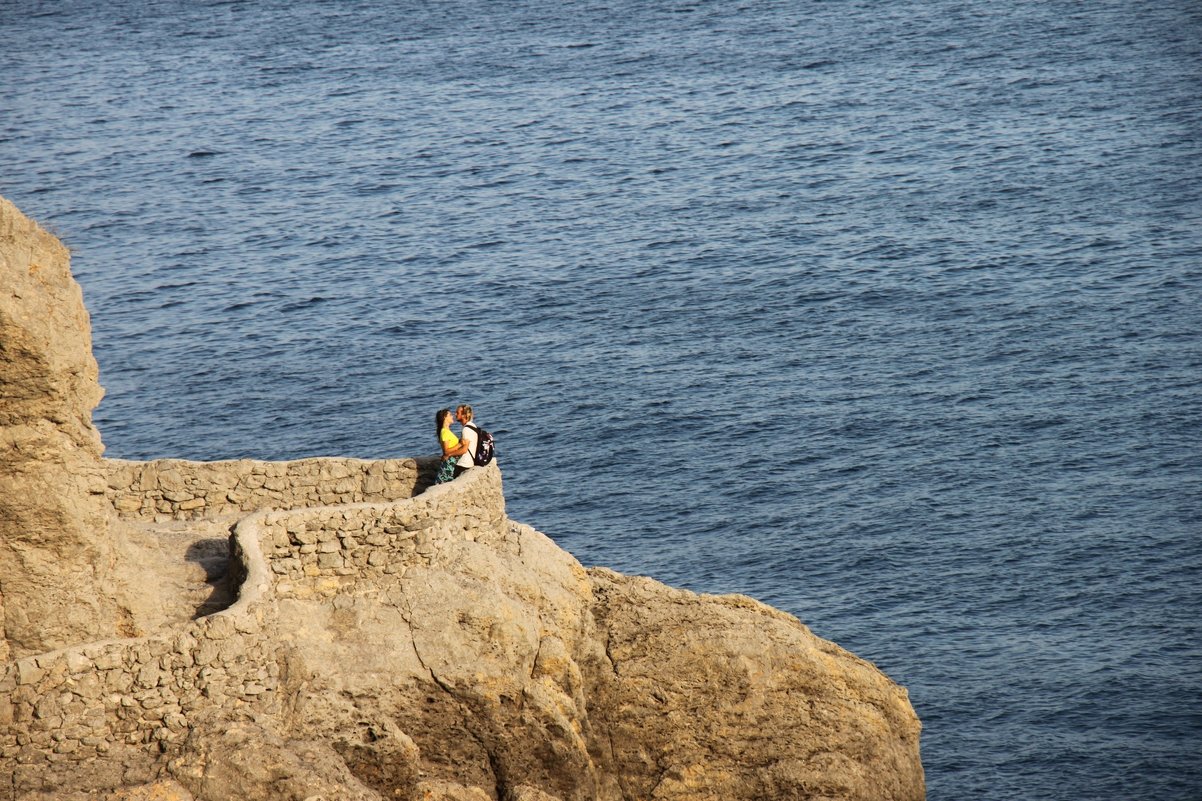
486 446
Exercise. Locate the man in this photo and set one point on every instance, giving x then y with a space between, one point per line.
470 436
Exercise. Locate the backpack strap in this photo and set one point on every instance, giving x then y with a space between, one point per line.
477 430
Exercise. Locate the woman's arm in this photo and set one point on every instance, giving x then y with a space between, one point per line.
458 450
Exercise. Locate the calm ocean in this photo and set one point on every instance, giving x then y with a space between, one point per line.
886 313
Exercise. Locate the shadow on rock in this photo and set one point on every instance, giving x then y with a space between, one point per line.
214 557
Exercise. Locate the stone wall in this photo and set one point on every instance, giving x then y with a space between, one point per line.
62 708
146 694
173 489
327 548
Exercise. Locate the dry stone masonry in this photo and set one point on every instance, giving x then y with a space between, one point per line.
94 699
171 489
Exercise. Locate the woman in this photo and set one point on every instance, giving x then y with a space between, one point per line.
452 448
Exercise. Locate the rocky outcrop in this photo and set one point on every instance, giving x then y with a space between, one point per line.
56 554
385 639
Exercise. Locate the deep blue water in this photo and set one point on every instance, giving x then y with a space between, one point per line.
887 314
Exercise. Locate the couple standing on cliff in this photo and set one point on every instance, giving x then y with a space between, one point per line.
458 454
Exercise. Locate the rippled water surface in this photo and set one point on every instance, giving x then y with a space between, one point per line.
885 313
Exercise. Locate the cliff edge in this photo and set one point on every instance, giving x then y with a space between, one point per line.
341 629
55 546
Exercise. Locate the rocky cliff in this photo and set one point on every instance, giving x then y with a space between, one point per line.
55 546
339 629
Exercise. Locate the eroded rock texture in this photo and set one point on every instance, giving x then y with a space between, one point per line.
386 640
55 552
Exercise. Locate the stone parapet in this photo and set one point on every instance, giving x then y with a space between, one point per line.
323 549
174 489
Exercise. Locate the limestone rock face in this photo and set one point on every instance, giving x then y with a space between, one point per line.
514 668
247 761
54 546
374 637
50 379
712 698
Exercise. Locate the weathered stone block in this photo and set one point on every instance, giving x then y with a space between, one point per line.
305 536
247 624
128 503
78 663
149 675
66 747
184 643
329 560
171 480
147 479
151 706
335 470
47 707
87 686
118 681
28 672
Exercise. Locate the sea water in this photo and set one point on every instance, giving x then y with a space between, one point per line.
887 314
